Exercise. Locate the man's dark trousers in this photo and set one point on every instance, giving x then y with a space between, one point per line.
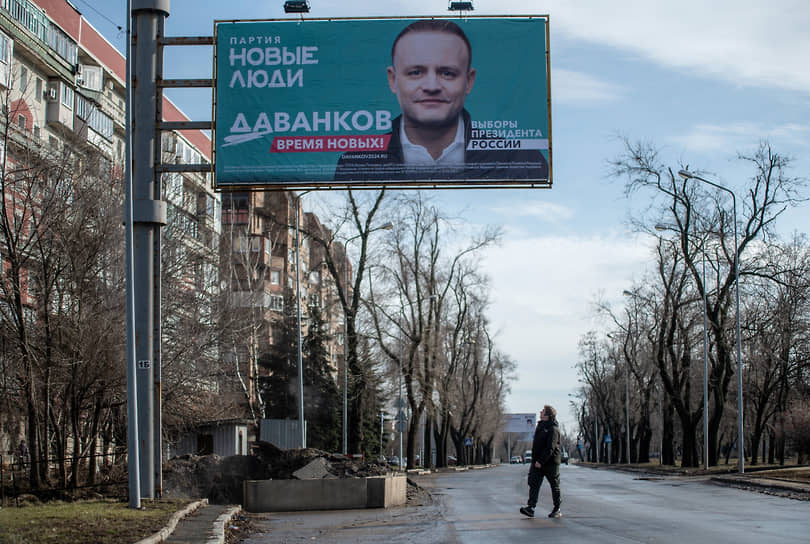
550 472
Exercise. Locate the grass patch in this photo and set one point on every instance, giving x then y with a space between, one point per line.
98 522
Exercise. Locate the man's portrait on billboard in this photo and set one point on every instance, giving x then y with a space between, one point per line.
431 74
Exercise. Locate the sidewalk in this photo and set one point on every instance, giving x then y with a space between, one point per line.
202 523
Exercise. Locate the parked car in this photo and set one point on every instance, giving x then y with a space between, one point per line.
515 459
451 460
394 460
527 456
564 456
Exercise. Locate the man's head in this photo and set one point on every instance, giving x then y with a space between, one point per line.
430 72
548 413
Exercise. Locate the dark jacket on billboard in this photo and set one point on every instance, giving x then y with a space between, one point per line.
509 164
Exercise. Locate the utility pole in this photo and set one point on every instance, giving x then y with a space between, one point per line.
148 215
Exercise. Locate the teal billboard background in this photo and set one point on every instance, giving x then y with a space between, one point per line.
347 73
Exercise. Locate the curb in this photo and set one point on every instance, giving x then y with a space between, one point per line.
164 533
219 525
765 483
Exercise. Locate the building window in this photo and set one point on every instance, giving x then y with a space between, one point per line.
277 302
23 79
38 93
275 277
21 122
6 47
62 44
235 209
67 96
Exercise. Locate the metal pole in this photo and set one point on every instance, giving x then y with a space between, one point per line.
158 318
595 436
346 351
660 423
705 365
627 411
740 427
740 430
400 411
303 438
132 389
149 214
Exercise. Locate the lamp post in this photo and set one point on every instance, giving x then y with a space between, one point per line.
686 174
660 227
385 226
303 434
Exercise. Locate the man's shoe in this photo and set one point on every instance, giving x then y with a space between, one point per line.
526 511
555 513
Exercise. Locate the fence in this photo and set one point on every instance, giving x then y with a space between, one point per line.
111 471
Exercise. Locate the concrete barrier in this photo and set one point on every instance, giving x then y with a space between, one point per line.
324 494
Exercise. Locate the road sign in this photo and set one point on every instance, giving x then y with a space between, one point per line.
608 439
468 441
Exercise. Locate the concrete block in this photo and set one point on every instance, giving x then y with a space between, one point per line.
386 491
324 494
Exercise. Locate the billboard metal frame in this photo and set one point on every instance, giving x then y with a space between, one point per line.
387 184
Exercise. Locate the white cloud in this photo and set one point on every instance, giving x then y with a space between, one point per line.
735 136
745 42
568 87
543 289
546 211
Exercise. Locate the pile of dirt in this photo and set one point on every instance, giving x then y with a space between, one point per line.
219 479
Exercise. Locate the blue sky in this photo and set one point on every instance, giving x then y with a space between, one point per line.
701 81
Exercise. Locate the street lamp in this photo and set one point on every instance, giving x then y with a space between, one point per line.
660 227
385 226
686 174
303 434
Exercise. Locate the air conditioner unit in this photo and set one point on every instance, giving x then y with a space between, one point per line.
50 94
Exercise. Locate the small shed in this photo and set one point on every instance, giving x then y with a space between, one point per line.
222 437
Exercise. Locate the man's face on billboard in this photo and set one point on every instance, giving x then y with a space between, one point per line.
430 78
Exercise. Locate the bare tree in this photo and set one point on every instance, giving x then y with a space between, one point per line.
696 212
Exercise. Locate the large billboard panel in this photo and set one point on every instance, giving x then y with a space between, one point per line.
317 103
519 423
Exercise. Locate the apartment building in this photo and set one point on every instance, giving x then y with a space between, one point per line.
62 89
263 279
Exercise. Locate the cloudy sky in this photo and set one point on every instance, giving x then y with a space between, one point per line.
700 80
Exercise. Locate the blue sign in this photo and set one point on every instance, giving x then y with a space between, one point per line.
608 439
468 441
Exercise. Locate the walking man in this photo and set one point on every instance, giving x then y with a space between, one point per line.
545 462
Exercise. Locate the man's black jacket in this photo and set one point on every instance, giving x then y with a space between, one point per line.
546 443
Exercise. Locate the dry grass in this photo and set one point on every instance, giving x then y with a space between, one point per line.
98 522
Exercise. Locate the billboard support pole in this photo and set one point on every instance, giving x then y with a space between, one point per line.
133 463
149 214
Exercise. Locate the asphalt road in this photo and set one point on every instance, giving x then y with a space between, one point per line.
481 506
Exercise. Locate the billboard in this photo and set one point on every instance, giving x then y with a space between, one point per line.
519 423
332 102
